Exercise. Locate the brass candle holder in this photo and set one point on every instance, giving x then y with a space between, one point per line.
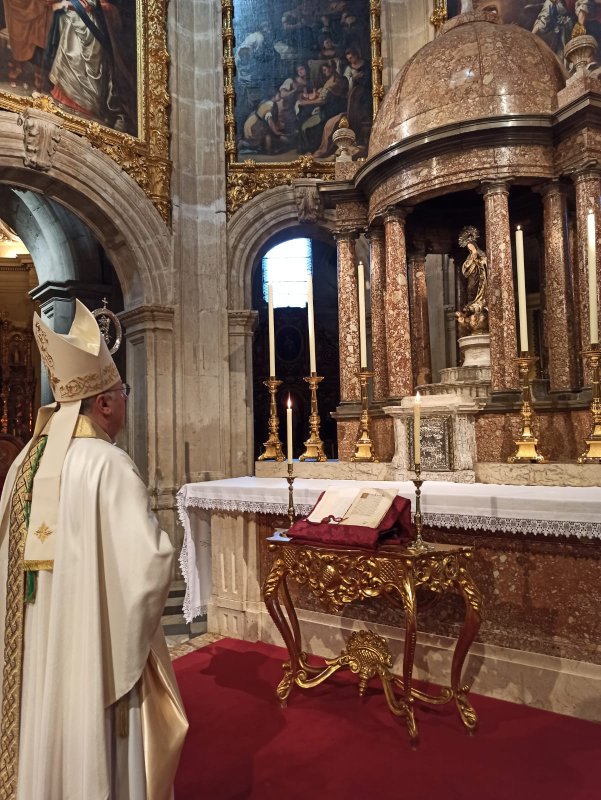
418 545
364 449
526 445
314 445
290 479
592 454
273 446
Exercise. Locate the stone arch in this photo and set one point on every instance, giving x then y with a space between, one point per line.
255 224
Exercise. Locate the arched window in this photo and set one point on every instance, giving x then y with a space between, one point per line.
286 268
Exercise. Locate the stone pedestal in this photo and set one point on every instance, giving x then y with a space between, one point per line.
476 350
448 438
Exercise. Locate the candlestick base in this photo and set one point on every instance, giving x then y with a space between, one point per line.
418 545
290 480
592 454
527 444
314 445
273 447
364 449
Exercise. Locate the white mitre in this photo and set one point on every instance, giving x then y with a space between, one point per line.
79 365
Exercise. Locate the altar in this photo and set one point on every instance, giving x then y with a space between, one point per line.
537 561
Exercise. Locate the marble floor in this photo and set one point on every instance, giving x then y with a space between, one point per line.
182 645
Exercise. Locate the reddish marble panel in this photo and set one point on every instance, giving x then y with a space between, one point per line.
420 325
379 362
398 327
381 432
348 318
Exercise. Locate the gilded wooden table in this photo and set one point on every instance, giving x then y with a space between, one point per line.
337 576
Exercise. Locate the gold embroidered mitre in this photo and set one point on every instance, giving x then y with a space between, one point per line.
79 364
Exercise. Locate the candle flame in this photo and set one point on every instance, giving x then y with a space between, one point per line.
289 402
417 398
590 211
519 227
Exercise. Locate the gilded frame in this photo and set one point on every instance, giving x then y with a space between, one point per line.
144 157
248 178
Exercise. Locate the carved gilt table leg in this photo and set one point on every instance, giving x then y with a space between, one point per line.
291 636
471 625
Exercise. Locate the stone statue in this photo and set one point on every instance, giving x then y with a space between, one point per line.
473 318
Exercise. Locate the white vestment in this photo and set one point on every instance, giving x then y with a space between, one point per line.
93 638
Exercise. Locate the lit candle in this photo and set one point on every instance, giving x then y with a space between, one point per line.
417 428
289 430
312 366
362 334
519 258
271 332
592 277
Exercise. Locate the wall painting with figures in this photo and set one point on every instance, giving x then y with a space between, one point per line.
299 67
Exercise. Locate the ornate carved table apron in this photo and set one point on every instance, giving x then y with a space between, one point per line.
339 575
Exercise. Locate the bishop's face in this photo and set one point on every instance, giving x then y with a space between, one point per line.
116 408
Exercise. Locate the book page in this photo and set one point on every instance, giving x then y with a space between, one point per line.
335 503
369 508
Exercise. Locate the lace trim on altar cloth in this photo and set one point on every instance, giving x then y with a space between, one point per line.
537 527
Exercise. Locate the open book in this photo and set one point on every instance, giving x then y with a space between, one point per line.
365 508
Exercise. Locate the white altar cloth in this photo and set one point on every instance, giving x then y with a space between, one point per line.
539 510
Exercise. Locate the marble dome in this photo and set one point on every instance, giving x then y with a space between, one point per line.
476 68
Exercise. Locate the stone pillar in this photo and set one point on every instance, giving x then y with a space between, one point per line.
151 408
501 302
398 326
242 323
588 194
377 260
348 317
420 324
559 301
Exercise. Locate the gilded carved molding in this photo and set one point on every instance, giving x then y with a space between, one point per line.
144 157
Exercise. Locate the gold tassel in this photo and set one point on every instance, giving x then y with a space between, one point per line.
122 712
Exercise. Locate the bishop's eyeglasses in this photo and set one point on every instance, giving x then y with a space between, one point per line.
125 389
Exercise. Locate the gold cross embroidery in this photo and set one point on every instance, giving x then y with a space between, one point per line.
43 532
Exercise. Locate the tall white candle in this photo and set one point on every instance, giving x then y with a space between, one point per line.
289 430
592 277
519 259
362 333
271 332
417 407
312 365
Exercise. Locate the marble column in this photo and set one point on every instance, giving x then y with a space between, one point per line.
242 324
398 326
501 298
377 260
588 195
348 317
559 300
420 324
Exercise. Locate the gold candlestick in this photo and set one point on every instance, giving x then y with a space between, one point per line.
290 480
273 446
364 450
419 545
592 454
526 446
314 445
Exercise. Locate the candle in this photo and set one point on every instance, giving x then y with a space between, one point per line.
289 430
312 366
362 334
271 332
519 257
417 428
592 277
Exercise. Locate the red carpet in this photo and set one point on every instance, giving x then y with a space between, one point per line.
330 745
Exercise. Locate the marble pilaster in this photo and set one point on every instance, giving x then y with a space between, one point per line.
377 258
241 325
420 326
348 317
588 195
501 303
398 326
559 301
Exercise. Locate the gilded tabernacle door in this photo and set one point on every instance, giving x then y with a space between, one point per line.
101 67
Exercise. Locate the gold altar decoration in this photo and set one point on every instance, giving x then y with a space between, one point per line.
439 15
314 445
248 178
105 317
592 454
290 480
364 449
418 545
339 576
527 443
144 157
273 446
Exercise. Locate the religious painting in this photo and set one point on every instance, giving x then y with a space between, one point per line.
82 53
555 21
295 71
